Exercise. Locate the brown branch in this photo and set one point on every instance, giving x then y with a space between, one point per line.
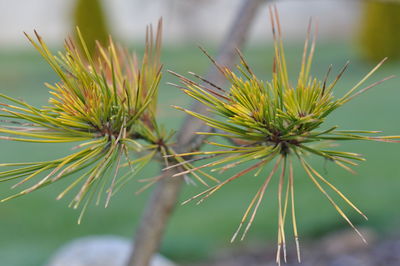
163 200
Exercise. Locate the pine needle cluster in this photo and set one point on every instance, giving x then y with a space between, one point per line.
275 122
106 103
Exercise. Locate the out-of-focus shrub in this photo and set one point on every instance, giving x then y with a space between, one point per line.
380 30
91 20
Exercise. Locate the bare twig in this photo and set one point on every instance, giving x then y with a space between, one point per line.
163 200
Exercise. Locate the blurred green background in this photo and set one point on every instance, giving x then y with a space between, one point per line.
34 226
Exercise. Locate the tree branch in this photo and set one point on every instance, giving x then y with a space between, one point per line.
163 200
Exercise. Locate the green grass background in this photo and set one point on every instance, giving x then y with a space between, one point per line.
34 226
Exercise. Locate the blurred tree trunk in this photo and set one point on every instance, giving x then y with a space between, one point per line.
163 200
380 30
89 16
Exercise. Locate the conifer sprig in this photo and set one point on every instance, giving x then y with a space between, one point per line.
275 122
106 102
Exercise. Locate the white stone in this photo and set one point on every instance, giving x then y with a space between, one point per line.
99 251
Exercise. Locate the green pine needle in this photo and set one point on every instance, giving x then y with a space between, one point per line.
106 102
275 122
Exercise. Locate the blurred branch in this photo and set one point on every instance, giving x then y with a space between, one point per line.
163 200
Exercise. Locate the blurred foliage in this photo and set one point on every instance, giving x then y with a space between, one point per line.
380 34
91 20
202 231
